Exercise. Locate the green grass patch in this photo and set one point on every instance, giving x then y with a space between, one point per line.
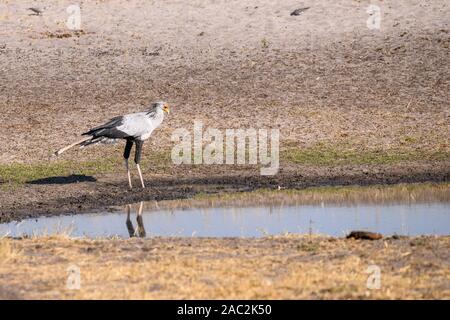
156 160
326 155
21 173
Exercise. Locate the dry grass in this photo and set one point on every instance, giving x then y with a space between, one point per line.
8 252
289 267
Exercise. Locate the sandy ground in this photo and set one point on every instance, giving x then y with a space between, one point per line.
288 267
321 77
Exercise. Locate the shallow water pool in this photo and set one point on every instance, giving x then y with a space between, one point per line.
336 220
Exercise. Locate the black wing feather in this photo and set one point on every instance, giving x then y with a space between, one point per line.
108 129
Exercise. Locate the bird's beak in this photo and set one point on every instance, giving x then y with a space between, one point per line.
166 108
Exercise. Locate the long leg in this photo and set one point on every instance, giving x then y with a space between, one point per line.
137 159
126 155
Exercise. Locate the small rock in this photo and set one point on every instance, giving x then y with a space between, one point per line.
299 11
364 235
36 11
397 237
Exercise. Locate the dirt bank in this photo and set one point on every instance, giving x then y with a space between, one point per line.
65 195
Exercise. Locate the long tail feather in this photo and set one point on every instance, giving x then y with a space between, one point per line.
72 145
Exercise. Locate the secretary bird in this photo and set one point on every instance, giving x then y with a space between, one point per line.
134 128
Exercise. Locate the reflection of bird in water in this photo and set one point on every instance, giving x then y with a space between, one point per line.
129 223
140 230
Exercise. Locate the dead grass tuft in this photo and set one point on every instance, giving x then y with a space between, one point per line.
8 252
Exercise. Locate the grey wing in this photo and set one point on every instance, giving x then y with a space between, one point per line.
135 125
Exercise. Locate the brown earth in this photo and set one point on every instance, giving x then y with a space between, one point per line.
285 267
322 78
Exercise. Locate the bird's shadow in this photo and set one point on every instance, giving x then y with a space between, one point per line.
73 178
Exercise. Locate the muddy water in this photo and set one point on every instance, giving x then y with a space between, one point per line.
337 220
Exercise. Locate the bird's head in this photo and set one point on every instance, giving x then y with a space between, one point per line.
162 105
